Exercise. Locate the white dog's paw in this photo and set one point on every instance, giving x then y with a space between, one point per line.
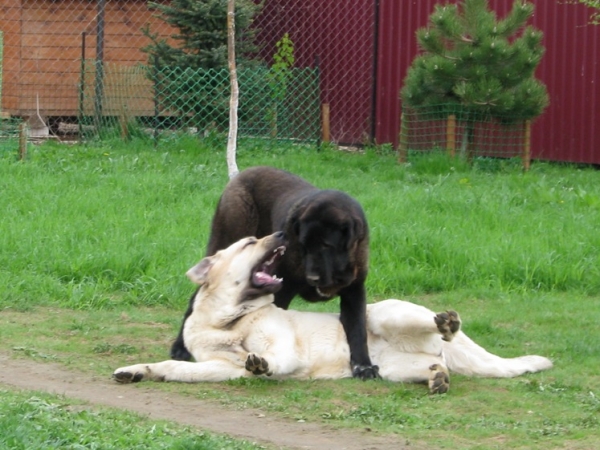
257 365
448 323
439 379
131 374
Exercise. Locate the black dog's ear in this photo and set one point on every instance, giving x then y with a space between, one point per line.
199 272
353 232
294 223
296 227
359 229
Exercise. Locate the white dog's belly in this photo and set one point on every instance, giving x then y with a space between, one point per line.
319 343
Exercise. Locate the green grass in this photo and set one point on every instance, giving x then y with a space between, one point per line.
95 241
30 421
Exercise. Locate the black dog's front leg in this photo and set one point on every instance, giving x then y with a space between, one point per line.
353 312
179 352
286 294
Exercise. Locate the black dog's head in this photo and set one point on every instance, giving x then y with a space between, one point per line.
332 233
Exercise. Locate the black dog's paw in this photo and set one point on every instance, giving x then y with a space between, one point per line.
365 372
257 365
448 323
439 379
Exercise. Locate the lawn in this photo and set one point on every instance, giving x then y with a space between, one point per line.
95 241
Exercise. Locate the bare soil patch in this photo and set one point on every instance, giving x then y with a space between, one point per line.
250 424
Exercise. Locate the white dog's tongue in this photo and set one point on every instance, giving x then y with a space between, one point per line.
262 278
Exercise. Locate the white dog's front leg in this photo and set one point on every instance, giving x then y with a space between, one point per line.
257 365
182 371
272 349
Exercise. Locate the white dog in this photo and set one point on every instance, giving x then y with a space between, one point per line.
236 331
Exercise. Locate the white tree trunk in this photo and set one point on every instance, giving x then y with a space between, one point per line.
232 168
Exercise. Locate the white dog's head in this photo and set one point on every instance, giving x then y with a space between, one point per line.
243 271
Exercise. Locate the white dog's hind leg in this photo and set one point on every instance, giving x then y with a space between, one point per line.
439 379
468 358
406 341
182 371
398 317
448 324
405 367
411 328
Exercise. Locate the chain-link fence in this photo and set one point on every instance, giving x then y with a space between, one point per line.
76 68
154 100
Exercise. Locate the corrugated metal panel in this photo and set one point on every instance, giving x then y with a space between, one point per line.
567 130
343 39
397 46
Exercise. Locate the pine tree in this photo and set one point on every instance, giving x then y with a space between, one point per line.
202 36
484 65
190 78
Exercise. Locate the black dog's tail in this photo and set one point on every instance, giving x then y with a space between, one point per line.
179 352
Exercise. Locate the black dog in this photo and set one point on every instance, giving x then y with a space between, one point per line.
327 253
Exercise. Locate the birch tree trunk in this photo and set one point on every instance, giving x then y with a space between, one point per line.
232 168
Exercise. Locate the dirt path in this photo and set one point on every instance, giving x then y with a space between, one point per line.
249 424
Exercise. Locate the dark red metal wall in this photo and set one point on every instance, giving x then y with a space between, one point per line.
567 131
342 36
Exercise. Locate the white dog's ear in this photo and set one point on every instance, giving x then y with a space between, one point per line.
199 272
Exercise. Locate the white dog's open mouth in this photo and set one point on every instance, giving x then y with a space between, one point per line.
264 273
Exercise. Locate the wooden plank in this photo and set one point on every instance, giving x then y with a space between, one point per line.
403 138
74 40
11 54
10 26
325 122
112 6
49 79
11 4
527 146
69 105
74 12
74 29
10 103
451 135
126 57
49 42
52 53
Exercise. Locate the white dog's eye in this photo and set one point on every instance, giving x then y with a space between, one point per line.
250 241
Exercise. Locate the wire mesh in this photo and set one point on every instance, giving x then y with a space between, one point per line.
462 132
78 65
